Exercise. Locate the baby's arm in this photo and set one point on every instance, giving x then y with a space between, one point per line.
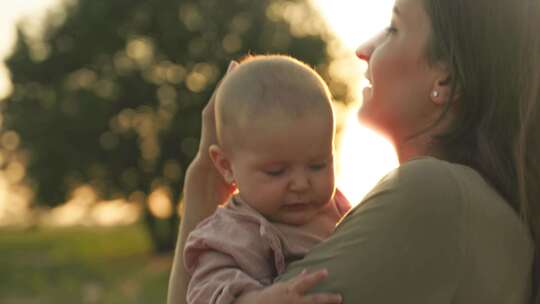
226 257
217 279
219 273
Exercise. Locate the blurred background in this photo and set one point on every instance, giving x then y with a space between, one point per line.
100 115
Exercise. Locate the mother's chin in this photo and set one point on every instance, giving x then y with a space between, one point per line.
368 115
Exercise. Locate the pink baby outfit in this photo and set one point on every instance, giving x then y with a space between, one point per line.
238 250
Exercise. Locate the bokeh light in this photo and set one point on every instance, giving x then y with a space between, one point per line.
159 203
363 156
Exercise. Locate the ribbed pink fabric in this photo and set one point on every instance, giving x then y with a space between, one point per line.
237 250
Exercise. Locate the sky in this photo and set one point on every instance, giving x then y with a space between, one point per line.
10 12
355 20
367 157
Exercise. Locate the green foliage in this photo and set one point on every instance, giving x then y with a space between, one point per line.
81 265
112 95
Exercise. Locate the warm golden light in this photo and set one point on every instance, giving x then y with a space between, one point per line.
159 203
354 21
115 212
85 208
10 13
14 203
363 156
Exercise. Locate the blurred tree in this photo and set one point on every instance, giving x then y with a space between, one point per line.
110 94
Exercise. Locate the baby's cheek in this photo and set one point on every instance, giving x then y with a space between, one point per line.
329 178
270 191
325 185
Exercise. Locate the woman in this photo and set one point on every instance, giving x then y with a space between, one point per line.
455 84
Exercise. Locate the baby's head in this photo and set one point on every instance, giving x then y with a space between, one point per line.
275 129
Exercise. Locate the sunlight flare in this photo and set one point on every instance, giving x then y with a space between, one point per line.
364 156
353 21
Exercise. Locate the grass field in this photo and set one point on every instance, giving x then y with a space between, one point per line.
81 265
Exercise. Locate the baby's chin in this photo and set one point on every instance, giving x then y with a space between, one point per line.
295 218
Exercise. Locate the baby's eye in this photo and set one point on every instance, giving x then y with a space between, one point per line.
274 172
318 166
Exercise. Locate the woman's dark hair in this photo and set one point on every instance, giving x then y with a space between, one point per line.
492 51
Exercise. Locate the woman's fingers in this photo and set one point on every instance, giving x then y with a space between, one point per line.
323 298
305 281
294 290
232 65
208 111
208 133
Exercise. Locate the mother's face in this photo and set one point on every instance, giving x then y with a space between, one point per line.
400 101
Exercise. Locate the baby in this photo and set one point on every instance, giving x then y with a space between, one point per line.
275 129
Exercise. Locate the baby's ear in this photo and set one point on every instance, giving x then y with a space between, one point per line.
222 163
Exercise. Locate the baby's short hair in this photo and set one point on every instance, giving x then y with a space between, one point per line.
269 84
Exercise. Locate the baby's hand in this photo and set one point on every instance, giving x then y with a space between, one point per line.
293 291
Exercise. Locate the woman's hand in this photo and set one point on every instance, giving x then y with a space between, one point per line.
292 291
208 130
204 190
202 162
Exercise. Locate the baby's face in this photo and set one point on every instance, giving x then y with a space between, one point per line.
285 170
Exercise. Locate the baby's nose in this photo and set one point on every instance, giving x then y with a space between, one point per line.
299 182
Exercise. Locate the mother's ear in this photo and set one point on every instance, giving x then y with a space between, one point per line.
441 92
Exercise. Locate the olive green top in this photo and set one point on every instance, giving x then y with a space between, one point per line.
429 232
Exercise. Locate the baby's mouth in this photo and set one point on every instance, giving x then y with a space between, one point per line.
296 206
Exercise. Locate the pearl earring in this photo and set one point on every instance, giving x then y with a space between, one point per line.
435 94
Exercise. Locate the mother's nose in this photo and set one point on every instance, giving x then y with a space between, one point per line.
365 50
